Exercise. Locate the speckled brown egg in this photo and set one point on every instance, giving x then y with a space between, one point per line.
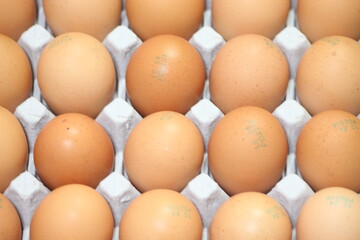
16 16
165 150
76 74
231 18
71 212
328 76
247 151
149 18
10 224
73 148
161 214
249 70
322 18
332 213
328 152
13 148
165 73
15 74
96 18
249 216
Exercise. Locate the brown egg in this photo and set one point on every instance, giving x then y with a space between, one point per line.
332 213
161 214
171 154
16 16
10 225
71 212
231 18
247 151
73 148
97 17
328 151
149 18
249 70
321 18
13 148
76 74
249 216
15 74
165 73
328 76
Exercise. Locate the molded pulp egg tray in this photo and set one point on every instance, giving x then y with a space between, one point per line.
119 117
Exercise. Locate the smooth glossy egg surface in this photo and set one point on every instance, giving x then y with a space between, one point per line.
71 212
73 148
165 150
13 148
76 73
328 152
96 18
249 70
250 215
165 73
149 18
231 18
16 76
247 151
161 214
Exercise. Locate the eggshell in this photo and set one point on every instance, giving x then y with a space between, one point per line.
231 18
13 148
332 213
165 73
248 216
328 152
73 148
149 18
171 154
10 225
15 74
328 76
249 70
76 74
161 214
72 212
96 18
322 18
247 151
16 16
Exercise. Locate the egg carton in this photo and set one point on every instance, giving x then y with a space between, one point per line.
119 118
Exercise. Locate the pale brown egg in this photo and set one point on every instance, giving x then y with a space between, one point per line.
76 74
97 17
247 151
165 73
322 18
248 216
71 212
161 214
328 76
73 148
15 74
249 70
13 148
10 224
328 151
165 150
149 18
231 18
16 16
332 213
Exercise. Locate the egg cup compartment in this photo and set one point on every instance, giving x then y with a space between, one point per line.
119 118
